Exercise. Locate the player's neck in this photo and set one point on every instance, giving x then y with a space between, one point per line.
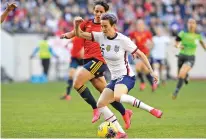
112 34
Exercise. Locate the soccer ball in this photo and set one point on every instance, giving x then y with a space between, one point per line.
107 130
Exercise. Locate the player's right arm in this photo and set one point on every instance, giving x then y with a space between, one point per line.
68 35
78 32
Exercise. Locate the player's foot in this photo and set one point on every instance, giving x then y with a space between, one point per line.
121 135
66 97
96 115
157 113
154 87
186 80
174 96
142 86
127 118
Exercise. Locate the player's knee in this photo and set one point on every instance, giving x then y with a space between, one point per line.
77 84
117 98
100 104
182 75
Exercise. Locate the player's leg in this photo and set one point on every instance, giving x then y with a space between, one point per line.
45 65
138 67
82 76
181 77
163 72
121 89
149 77
73 66
100 83
106 97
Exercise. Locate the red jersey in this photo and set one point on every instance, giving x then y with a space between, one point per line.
91 49
140 39
78 44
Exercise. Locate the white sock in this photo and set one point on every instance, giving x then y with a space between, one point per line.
110 117
164 75
135 102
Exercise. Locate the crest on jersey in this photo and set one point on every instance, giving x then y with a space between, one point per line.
116 48
108 48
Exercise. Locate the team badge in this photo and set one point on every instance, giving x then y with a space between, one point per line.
108 48
116 48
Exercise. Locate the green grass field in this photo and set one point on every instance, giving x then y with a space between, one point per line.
35 111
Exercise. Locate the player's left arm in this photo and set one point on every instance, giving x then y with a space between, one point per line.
133 49
203 44
145 60
10 7
79 32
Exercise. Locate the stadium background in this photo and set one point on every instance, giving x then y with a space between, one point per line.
35 111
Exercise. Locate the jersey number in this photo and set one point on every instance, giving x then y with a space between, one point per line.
93 63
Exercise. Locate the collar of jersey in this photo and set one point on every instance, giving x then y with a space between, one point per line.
94 22
113 37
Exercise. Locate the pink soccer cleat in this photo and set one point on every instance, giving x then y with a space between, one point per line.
154 87
157 113
142 86
96 115
127 118
121 135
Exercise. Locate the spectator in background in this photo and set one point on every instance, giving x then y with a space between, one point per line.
45 52
10 7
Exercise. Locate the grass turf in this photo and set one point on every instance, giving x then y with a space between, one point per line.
35 111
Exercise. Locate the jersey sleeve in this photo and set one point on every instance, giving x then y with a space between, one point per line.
129 46
96 36
180 34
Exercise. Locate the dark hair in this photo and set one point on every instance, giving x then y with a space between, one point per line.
103 4
111 17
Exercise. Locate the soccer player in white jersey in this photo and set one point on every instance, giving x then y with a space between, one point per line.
158 53
115 47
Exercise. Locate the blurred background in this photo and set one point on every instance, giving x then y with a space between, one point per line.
28 24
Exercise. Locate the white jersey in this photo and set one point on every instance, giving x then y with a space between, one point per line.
115 54
160 44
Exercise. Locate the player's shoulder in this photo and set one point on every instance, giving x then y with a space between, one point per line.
122 36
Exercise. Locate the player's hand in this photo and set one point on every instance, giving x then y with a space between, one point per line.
11 6
77 21
155 77
63 36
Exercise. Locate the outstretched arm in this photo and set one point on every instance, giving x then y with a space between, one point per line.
203 44
79 32
143 57
10 7
68 35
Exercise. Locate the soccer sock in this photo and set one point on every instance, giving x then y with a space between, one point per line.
70 83
150 79
118 106
179 85
87 96
135 102
186 78
164 75
140 75
110 117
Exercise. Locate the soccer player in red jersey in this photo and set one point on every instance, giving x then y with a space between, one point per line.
94 66
77 53
143 39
